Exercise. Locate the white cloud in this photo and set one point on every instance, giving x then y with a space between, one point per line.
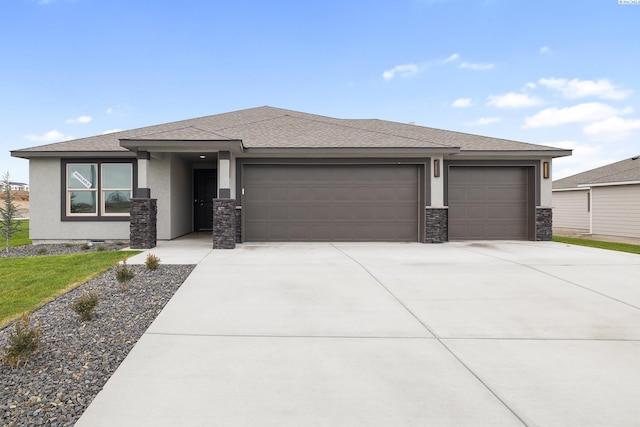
81 119
576 88
483 121
544 50
513 100
51 136
452 57
476 66
404 70
530 86
584 158
109 110
612 128
111 131
586 112
462 103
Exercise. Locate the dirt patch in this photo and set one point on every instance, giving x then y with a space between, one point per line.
21 200
20 196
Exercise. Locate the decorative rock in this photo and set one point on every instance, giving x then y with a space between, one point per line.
238 224
77 358
224 224
544 224
437 230
142 225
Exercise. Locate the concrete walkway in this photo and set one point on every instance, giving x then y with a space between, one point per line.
465 334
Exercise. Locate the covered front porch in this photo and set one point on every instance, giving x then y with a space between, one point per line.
177 183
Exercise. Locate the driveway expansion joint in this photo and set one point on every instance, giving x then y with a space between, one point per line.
359 337
440 341
531 267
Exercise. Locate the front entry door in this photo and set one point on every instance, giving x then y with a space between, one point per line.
205 186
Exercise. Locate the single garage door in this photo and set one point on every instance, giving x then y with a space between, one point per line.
488 203
330 203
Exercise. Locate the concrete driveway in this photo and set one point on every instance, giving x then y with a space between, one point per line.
465 334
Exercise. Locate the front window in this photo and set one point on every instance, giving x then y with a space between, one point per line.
116 188
98 189
82 188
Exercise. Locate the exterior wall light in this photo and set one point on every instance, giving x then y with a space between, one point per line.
545 170
436 168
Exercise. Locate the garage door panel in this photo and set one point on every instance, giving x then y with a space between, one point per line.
330 203
487 203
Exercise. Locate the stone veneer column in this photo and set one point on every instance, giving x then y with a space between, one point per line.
544 224
238 224
437 225
224 223
142 225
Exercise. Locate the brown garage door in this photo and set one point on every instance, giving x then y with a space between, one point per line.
487 203
330 203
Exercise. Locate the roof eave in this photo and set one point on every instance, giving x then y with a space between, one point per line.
608 184
32 154
516 153
182 145
326 151
569 189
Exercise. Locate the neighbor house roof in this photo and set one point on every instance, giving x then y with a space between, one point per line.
624 171
269 128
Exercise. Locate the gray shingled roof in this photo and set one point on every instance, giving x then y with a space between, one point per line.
624 171
269 127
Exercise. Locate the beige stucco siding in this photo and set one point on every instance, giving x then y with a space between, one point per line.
159 176
570 210
45 203
616 210
181 197
170 180
546 184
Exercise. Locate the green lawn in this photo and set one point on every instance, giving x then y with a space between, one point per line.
622 247
20 238
28 283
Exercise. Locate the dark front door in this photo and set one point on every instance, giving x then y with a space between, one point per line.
205 186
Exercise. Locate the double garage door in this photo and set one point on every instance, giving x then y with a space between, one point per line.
381 203
330 203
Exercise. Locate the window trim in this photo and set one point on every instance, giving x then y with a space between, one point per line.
99 215
103 190
93 190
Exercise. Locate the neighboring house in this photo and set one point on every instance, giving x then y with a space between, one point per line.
268 174
16 186
19 186
604 200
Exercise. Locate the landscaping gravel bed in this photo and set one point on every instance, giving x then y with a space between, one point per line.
61 249
77 358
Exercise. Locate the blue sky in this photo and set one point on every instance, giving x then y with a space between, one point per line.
561 73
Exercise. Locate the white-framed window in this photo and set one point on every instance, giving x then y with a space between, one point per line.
98 189
82 189
117 179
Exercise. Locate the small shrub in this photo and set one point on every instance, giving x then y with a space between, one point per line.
85 305
41 251
85 246
124 275
152 262
101 248
120 243
23 341
68 245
